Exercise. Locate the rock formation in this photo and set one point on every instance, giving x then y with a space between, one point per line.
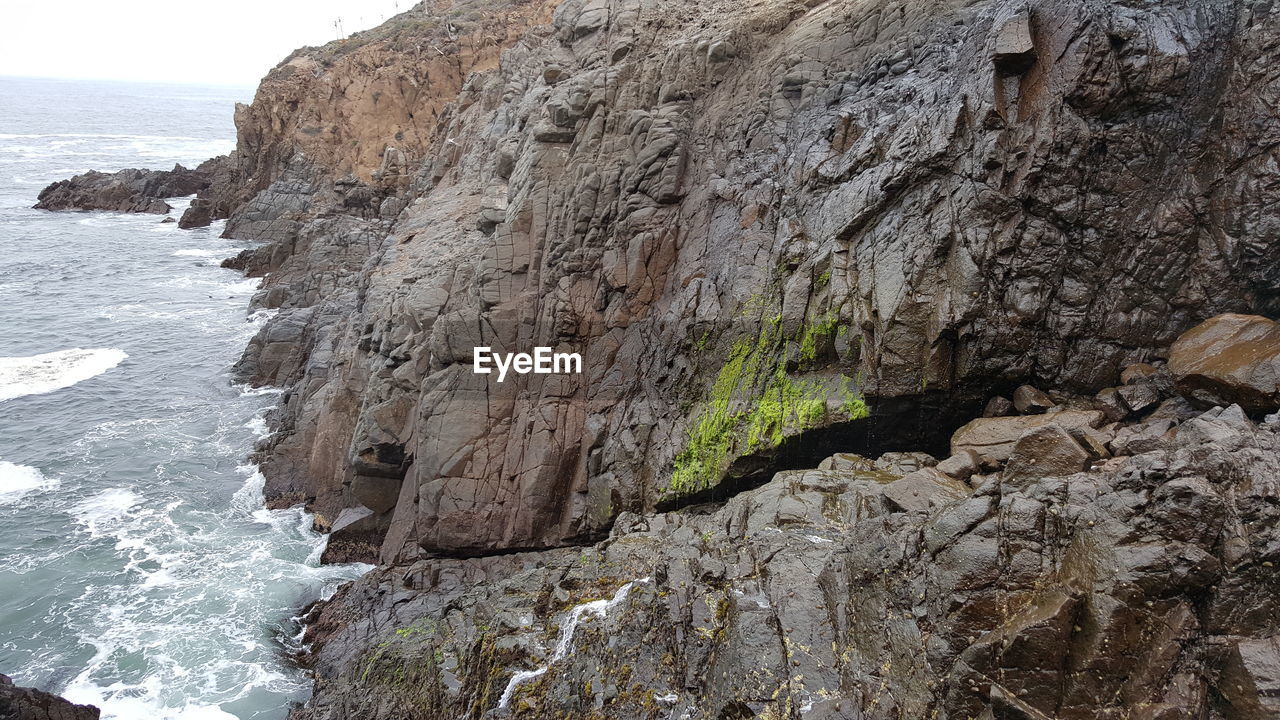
130 191
783 235
26 704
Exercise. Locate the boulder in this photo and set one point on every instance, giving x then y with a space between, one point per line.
1030 401
1013 50
1137 372
923 490
1229 359
1140 438
1139 398
998 406
1112 404
901 463
1047 451
961 465
1251 679
993 439
847 462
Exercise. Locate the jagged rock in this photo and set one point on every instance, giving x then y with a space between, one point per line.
1139 398
1137 373
924 489
1140 438
1174 408
1112 404
1030 401
29 704
961 465
1014 51
1251 678
1126 589
1046 451
131 191
993 439
998 406
847 462
901 463
1229 359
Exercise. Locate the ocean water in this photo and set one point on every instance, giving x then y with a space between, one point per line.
138 569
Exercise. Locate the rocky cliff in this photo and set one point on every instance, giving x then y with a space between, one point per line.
798 244
767 228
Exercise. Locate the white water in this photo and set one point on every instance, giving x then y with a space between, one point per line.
140 571
46 373
564 643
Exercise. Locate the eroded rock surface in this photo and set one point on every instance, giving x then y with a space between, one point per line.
837 204
1144 587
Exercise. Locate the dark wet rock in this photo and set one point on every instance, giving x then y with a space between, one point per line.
1030 401
924 489
1140 438
1112 404
998 406
1139 398
993 439
961 465
1137 589
131 191
18 703
1137 373
1046 451
1229 359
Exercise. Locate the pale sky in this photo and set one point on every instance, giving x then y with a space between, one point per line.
225 42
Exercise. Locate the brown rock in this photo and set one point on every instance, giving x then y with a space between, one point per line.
998 406
1251 679
1047 451
1229 359
1030 401
961 465
1137 372
923 490
1112 404
1140 438
993 439
1139 398
1014 51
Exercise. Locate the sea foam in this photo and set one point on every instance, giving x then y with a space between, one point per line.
46 373
18 480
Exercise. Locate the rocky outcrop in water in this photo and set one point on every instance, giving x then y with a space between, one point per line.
130 191
27 704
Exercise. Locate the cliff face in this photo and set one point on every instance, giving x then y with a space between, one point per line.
772 230
839 205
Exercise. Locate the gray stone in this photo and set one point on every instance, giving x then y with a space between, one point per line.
1030 401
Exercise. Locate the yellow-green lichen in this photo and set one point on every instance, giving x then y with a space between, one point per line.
754 402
